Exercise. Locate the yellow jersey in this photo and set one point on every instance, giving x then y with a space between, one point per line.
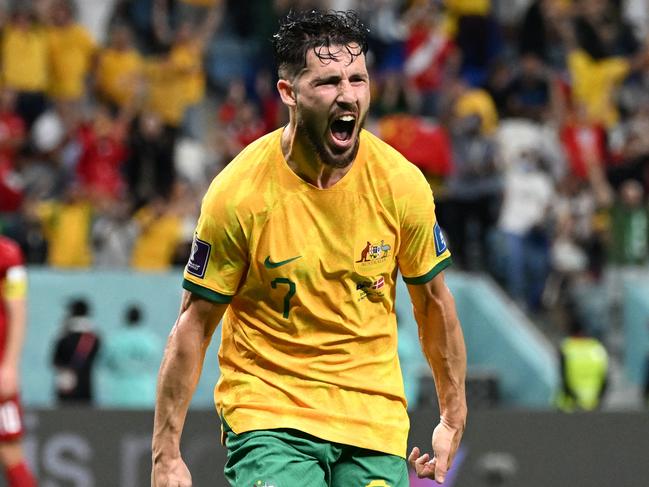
71 51
309 340
163 96
118 74
67 230
593 81
157 242
187 62
25 61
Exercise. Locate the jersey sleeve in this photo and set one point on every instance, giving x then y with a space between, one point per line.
219 256
423 252
14 285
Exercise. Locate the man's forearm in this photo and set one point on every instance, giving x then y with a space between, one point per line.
17 318
179 373
443 345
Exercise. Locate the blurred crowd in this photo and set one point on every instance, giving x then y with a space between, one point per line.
527 117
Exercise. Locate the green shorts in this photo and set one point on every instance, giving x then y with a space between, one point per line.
291 458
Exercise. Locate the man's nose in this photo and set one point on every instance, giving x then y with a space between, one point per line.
346 93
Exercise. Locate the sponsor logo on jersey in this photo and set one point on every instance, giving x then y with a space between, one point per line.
440 241
261 483
370 288
269 264
199 257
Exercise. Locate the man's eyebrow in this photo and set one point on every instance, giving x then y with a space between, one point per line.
326 78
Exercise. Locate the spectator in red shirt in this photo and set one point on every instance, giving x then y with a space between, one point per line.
429 54
12 126
582 139
102 155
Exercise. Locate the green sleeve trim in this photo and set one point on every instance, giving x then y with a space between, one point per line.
430 274
205 293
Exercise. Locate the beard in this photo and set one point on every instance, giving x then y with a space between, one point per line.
309 131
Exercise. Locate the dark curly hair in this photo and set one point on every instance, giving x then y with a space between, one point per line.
299 32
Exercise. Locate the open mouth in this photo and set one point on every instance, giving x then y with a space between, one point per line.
342 128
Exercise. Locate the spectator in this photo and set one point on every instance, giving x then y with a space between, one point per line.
235 98
601 31
583 139
476 35
71 50
11 191
393 96
186 60
273 112
12 127
246 127
497 84
528 196
66 226
474 102
584 368
596 73
74 355
474 186
150 169
630 226
529 91
119 69
25 62
629 144
539 31
162 94
12 137
103 151
160 234
131 358
427 145
113 235
429 54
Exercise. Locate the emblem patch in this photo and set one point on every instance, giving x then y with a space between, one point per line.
440 241
199 257
374 253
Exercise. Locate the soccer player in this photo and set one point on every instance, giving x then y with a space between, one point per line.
13 315
311 392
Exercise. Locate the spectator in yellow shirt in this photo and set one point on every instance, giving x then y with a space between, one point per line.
119 69
66 225
25 62
596 70
185 60
71 50
475 101
160 235
163 95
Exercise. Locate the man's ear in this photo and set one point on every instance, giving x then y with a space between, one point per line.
286 92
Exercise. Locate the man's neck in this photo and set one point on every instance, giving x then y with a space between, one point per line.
303 161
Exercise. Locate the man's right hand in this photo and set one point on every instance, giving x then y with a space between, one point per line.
171 473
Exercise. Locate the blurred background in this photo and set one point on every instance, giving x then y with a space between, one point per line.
530 119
